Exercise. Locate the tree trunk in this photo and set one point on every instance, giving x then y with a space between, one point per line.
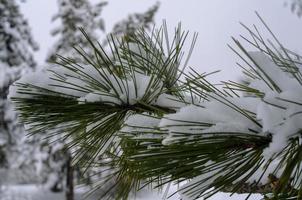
69 179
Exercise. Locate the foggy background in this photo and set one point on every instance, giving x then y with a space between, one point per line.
215 21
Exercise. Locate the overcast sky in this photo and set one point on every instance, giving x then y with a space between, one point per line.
215 21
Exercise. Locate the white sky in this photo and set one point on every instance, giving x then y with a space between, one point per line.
215 21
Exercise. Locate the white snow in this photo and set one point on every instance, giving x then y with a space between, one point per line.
35 192
170 101
8 74
110 89
271 70
210 116
279 112
140 123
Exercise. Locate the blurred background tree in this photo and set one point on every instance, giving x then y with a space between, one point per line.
296 7
17 152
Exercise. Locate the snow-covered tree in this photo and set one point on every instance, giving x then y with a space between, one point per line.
296 7
16 58
74 14
135 21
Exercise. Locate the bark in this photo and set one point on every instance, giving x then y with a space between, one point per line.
264 189
69 180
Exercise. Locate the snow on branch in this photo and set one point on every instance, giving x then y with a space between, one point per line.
158 124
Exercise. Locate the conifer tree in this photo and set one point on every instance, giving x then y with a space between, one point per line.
16 58
296 7
135 21
74 14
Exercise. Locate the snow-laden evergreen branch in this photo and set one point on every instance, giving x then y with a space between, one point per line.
17 46
133 108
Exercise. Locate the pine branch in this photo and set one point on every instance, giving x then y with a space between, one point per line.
131 111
